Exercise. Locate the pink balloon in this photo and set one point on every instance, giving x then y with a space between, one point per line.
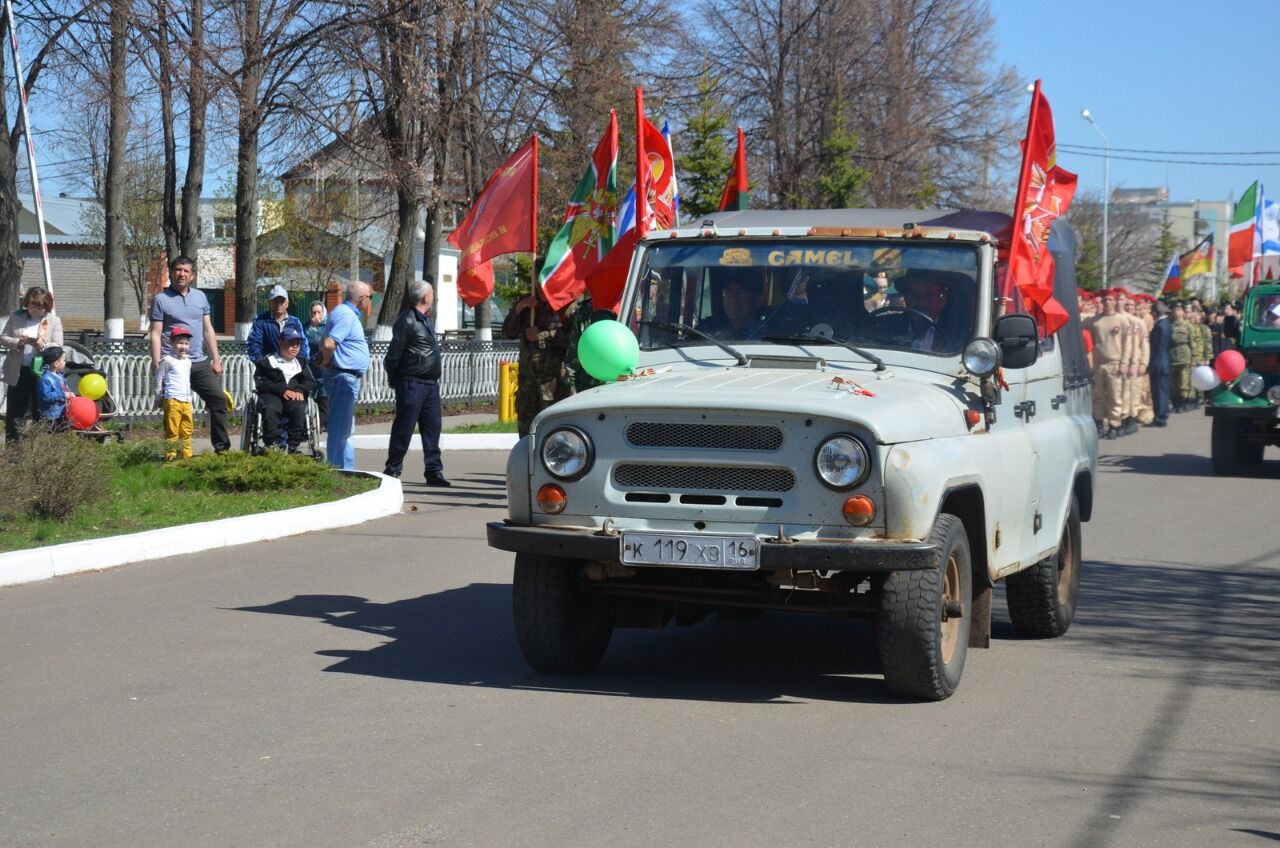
1229 365
82 413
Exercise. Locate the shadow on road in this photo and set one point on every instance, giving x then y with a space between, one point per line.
465 637
1176 465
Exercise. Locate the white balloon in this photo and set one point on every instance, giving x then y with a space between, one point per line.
1203 378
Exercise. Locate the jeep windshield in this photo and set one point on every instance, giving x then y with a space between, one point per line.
890 294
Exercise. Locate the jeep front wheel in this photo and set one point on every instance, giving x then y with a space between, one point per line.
1042 599
561 628
924 619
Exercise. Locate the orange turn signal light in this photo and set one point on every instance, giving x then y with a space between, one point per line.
552 499
859 510
972 417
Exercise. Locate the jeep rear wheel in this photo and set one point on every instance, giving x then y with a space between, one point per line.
925 616
561 628
1042 599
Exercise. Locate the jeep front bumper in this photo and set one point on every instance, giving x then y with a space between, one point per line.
863 555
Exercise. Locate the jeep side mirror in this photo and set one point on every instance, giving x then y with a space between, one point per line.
1018 339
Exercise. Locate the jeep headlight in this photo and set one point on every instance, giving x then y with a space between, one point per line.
981 357
842 462
1251 385
1273 395
566 453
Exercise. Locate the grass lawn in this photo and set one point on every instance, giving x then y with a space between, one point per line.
149 495
485 427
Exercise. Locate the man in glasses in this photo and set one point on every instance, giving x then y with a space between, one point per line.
345 353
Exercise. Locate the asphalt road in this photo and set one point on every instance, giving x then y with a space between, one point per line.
363 688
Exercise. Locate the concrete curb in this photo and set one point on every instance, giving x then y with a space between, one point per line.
448 441
96 554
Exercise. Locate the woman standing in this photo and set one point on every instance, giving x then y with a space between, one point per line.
315 332
30 329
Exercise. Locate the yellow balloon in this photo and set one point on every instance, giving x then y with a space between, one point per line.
93 386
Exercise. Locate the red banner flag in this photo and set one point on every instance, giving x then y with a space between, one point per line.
735 195
1044 193
502 220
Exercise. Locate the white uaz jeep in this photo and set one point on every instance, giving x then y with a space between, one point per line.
804 434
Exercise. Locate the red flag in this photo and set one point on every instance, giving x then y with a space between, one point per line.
735 195
502 220
1044 193
655 208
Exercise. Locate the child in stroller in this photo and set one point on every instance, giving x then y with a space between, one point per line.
80 364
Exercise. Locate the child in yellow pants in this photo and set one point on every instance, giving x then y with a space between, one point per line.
173 390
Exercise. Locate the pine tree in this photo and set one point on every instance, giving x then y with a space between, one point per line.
1165 246
705 167
841 182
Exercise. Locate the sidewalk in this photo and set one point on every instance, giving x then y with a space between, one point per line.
383 429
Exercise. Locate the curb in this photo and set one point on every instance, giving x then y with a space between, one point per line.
448 441
96 554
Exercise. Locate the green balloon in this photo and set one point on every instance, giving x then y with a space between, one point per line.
607 350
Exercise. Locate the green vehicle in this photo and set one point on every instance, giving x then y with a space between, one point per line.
1246 411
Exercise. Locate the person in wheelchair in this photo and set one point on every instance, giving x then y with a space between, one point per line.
284 382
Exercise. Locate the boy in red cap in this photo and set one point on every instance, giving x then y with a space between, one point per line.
173 393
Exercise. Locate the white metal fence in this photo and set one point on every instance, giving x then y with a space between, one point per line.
469 375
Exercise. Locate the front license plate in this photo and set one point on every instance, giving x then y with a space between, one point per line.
691 550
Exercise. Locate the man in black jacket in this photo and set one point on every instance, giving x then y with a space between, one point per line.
1160 367
413 369
284 382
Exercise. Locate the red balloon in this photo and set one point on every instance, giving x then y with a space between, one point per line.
82 413
1229 365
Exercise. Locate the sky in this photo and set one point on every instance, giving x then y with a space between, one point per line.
1167 75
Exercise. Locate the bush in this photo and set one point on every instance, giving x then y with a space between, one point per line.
47 475
141 452
233 471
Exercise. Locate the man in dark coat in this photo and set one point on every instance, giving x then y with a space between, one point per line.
283 381
413 369
1160 366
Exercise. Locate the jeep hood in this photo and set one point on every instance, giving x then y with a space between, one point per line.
906 406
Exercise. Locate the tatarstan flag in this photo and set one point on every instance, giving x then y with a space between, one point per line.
1243 241
503 219
735 195
590 224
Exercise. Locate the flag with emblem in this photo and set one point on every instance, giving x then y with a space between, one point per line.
1244 237
1044 194
502 220
590 225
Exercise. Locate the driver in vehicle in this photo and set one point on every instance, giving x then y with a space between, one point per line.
926 295
741 299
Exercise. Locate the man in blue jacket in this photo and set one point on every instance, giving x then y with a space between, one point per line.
264 335
1160 366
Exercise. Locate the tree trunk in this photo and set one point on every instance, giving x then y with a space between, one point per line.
169 203
197 102
10 254
393 302
113 267
247 172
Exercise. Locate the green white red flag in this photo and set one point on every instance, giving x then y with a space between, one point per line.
736 188
503 219
590 225
1044 193
1243 240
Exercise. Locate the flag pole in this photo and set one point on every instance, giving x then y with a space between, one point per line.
642 185
533 230
31 148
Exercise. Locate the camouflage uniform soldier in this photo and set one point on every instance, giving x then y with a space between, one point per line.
1180 358
1205 352
543 341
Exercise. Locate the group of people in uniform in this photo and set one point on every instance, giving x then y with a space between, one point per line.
1142 351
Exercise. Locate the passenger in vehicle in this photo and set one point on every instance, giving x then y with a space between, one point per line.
741 299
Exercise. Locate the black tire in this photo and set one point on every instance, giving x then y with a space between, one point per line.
561 628
1226 447
922 647
1042 599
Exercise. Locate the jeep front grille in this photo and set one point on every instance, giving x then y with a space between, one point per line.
678 434
718 478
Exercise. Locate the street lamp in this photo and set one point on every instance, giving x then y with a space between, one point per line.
1106 187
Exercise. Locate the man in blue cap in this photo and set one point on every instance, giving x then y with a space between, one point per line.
284 382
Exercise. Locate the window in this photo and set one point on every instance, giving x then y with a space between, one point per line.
224 227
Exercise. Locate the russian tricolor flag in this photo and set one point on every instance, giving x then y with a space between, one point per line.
1173 276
